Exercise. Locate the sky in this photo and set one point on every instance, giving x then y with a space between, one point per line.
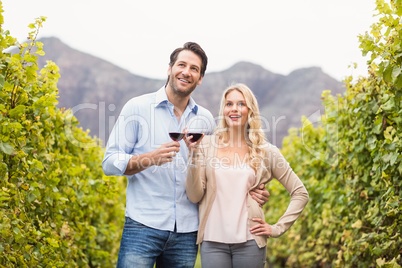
139 36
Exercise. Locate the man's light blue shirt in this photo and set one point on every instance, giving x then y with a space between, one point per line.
156 196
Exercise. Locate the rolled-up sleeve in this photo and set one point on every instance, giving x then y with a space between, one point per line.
115 164
121 142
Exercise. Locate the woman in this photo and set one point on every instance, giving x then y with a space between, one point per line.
225 167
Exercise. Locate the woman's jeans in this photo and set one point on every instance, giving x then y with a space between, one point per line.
220 255
142 246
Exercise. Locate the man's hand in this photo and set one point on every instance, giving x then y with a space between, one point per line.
164 154
260 194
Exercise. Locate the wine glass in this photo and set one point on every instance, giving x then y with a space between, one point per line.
196 128
176 133
175 130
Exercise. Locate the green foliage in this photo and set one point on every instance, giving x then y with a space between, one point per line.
57 209
351 164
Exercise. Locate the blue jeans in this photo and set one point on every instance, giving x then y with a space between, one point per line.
142 246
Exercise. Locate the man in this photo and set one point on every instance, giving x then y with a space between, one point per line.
161 223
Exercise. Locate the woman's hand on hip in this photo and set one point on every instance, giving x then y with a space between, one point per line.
262 228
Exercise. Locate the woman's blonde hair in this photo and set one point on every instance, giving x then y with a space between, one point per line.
253 133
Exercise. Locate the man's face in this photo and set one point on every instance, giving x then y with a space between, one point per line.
185 74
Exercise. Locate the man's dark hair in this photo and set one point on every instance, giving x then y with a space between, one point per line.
194 47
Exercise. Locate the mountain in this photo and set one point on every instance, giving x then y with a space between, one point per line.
96 90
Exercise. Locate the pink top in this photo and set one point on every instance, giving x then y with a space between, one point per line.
228 219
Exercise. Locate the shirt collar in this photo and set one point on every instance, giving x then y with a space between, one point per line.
161 100
192 105
161 97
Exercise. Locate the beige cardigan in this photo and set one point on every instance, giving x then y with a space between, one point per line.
201 187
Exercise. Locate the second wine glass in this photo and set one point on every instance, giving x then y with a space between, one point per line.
195 130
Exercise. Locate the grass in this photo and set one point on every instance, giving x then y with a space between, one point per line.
198 261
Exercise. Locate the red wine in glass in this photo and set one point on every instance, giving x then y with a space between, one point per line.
196 136
176 136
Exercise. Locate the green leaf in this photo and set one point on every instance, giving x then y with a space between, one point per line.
377 251
388 74
52 242
393 159
6 147
17 111
2 80
398 82
380 262
389 105
16 230
389 132
31 197
357 224
395 72
40 52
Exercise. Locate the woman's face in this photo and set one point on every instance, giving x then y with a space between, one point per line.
236 110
